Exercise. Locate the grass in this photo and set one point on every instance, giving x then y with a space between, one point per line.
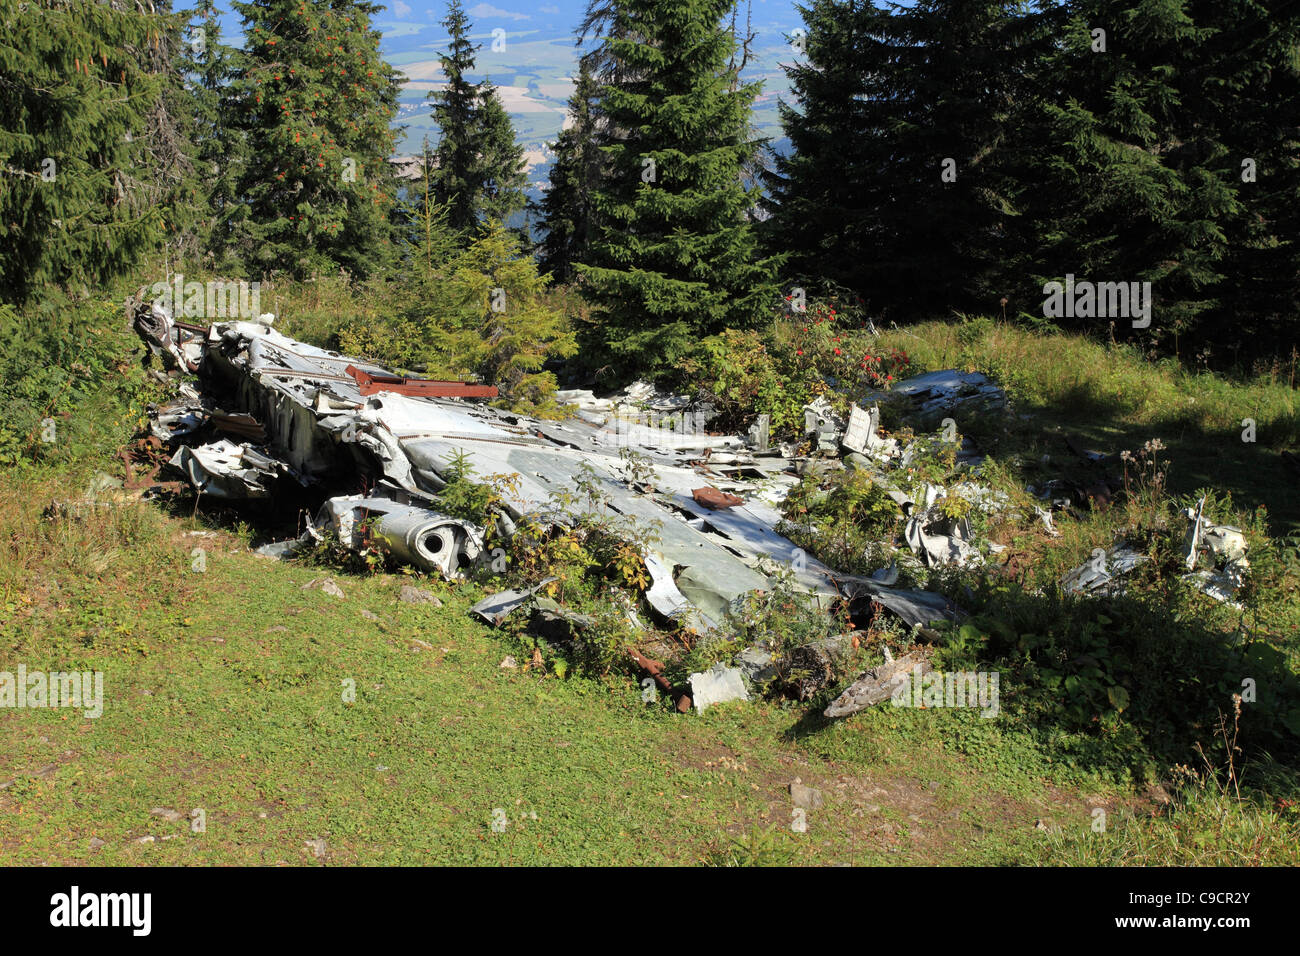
1114 399
225 691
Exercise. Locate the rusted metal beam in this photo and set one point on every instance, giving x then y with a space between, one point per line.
369 384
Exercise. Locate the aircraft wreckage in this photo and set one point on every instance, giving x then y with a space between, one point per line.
259 415
312 417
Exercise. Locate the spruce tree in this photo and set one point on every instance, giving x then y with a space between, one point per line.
673 257
901 183
502 176
454 112
566 207
1125 185
315 101
480 171
207 67
91 166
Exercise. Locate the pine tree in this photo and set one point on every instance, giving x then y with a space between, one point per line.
823 196
674 255
315 101
566 207
91 168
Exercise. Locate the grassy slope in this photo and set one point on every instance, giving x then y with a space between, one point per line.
224 692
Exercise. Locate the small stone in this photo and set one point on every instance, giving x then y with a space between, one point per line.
806 797
369 615
96 843
261 816
413 595
145 839
419 645
276 628
171 816
317 848
508 663
331 588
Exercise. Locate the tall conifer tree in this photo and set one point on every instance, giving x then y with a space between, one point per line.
316 101
674 256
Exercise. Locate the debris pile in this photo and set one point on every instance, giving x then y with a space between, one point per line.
258 415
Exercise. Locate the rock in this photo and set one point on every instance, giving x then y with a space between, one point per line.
171 816
144 839
369 615
419 645
508 663
875 686
96 843
328 585
809 798
413 595
317 847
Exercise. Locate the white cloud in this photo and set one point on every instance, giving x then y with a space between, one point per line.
402 9
483 10
551 9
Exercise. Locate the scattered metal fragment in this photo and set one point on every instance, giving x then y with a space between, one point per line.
717 685
368 383
936 538
946 390
1226 549
715 499
1100 574
497 607
223 469
822 426
915 608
